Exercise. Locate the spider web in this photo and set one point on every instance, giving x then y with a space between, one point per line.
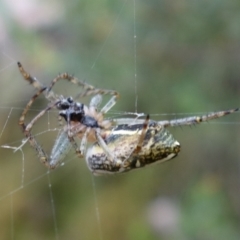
69 201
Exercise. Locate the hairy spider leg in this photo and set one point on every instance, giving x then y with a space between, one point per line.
142 135
139 145
89 90
84 141
196 119
109 104
36 84
64 142
104 146
32 80
180 121
95 102
27 128
26 109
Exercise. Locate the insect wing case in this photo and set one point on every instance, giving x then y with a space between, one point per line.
158 146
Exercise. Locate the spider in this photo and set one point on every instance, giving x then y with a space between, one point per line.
84 122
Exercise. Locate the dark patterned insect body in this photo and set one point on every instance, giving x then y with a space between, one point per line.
158 146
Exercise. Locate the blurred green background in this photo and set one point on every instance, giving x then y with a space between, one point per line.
183 61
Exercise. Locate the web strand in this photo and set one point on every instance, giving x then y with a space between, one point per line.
135 55
97 209
12 217
53 207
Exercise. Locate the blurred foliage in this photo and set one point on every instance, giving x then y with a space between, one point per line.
186 57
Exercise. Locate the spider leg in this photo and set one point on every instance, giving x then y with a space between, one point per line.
109 104
181 121
89 90
26 109
142 136
35 119
27 128
105 147
42 155
32 80
97 91
72 79
139 145
36 84
33 142
95 102
75 146
196 119
84 141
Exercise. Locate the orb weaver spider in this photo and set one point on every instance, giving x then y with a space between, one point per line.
84 122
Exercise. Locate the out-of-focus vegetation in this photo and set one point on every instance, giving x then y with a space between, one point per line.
186 58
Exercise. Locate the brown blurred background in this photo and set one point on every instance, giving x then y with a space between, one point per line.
186 55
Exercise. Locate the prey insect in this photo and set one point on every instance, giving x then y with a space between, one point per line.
141 144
